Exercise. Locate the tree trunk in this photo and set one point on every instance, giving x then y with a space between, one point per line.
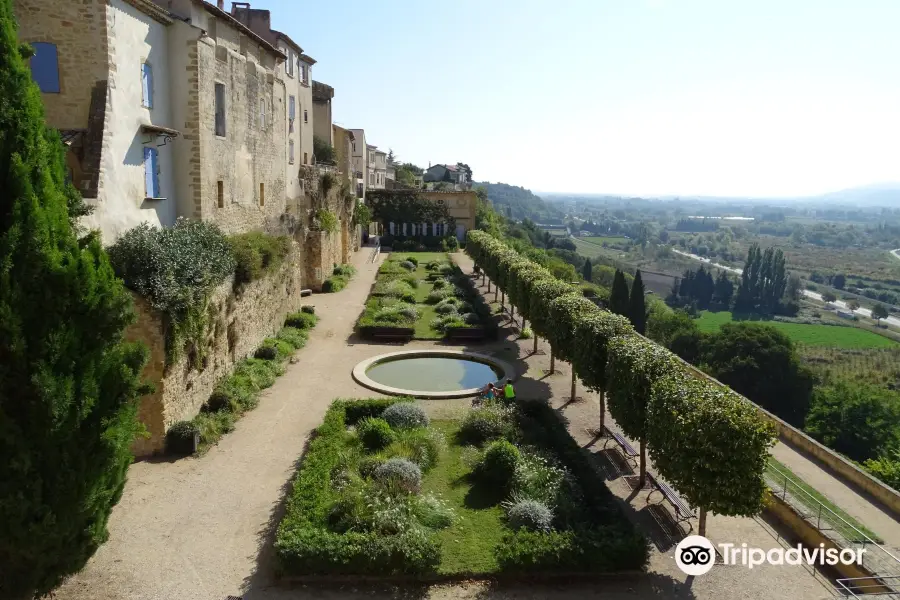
573 384
502 299
483 277
496 292
524 323
602 411
701 530
489 286
535 343
643 464
512 312
552 361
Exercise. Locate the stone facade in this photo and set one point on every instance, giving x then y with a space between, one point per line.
237 325
236 180
79 31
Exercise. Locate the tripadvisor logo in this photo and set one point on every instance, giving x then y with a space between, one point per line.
696 555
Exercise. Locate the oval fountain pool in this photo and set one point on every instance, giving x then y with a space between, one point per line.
431 374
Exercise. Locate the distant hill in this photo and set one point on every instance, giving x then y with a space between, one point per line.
880 194
520 203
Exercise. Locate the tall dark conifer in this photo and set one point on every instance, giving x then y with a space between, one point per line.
637 305
68 383
618 296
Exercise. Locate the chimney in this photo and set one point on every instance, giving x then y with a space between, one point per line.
220 4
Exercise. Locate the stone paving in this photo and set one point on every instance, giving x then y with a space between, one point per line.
202 528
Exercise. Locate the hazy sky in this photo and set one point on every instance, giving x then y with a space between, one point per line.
714 97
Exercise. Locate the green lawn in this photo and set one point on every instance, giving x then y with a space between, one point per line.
609 239
809 335
813 506
468 544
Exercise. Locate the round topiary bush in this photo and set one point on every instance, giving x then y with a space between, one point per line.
408 265
405 415
400 472
486 423
308 309
440 284
445 309
413 260
375 433
180 437
471 319
531 515
499 463
266 353
368 464
437 295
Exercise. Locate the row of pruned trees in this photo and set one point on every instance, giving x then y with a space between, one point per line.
708 442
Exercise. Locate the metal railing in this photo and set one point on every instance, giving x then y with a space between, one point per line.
867 587
876 558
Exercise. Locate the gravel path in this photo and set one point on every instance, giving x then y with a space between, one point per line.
201 529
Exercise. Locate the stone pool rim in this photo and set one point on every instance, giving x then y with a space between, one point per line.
359 372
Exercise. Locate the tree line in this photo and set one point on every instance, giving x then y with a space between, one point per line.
652 394
764 287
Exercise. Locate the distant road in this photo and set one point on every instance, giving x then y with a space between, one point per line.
808 293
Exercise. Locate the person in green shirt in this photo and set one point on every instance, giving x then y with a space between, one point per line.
509 392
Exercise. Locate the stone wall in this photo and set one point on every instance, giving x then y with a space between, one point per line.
79 31
237 324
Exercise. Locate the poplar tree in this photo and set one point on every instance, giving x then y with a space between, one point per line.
68 384
618 296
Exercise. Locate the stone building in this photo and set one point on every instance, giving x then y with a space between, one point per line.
295 75
169 108
377 168
322 96
103 70
360 161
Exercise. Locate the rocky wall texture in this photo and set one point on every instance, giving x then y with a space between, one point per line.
237 324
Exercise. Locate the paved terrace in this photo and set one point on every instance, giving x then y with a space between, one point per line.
202 528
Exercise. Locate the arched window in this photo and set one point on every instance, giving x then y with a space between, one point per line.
45 67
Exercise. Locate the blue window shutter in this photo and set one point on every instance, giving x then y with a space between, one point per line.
154 154
45 67
149 176
147 82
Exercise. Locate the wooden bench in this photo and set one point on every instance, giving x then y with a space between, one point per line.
683 512
466 333
395 334
627 449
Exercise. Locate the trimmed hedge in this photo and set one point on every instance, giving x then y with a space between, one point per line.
304 545
650 389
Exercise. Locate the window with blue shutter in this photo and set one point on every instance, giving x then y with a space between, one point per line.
151 172
45 67
147 83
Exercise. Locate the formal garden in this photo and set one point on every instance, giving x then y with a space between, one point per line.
425 296
384 491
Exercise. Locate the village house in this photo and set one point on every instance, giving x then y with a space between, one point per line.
169 109
455 175
359 151
377 168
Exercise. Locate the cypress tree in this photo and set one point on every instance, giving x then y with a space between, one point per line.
587 270
637 304
68 383
618 296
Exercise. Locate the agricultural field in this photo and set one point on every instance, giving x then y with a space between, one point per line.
557 232
609 239
880 366
833 336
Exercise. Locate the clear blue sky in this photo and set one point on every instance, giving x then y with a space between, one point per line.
715 97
